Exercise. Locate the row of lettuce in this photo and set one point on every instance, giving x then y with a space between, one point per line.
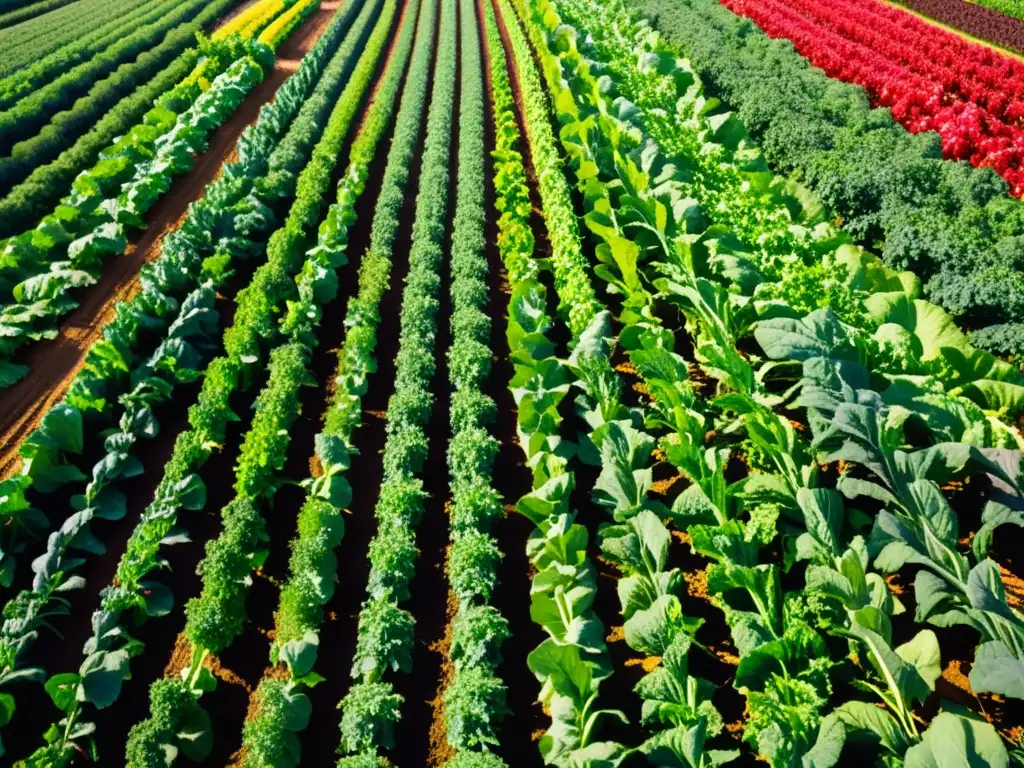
45 267
787 319
573 661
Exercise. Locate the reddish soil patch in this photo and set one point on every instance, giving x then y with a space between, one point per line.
54 363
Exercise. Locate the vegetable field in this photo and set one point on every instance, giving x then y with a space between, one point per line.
482 383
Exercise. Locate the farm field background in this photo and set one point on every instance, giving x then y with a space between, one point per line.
482 383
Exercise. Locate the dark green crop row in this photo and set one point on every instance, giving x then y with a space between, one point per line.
18 11
280 704
23 118
64 128
386 631
37 38
474 699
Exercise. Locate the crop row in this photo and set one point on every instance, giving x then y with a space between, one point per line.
280 704
231 84
248 23
474 698
190 257
46 184
731 522
573 661
636 539
62 129
31 41
954 226
283 25
157 341
385 636
15 13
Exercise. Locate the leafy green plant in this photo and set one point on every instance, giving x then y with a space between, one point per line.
785 696
571 664
385 634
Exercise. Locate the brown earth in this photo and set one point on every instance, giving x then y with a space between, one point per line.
54 363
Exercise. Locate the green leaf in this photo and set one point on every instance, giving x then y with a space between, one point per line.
102 674
62 427
62 688
564 668
823 516
6 710
158 598
195 734
683 747
332 451
862 716
952 741
11 373
781 657
995 670
640 545
300 655
922 652
993 516
652 630
828 746
905 680
110 504
548 501
626 474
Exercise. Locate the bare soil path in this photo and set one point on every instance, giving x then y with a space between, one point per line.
54 363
